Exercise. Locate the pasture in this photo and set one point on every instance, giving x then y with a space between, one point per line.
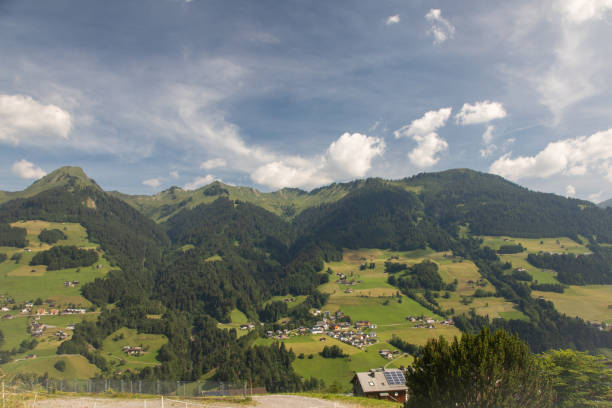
24 282
151 343
589 302
77 366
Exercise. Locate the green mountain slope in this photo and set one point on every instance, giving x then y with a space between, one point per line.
68 177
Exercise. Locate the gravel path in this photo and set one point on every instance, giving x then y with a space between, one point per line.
267 401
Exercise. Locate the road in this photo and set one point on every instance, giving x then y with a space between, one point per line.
267 401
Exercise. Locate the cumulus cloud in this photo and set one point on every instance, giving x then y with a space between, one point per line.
154 182
23 118
428 146
570 190
351 155
440 28
579 156
423 131
393 19
280 174
213 164
27 170
198 182
480 112
430 122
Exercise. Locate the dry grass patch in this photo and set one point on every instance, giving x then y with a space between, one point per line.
588 302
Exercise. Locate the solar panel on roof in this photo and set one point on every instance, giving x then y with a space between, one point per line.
394 377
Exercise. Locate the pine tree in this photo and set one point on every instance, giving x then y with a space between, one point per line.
484 370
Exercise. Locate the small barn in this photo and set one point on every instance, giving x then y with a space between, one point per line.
389 384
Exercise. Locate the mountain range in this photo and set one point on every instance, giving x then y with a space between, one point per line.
195 258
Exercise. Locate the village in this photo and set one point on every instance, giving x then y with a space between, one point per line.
359 334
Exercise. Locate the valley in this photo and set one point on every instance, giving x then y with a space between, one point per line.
308 286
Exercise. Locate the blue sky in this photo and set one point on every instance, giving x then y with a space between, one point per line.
148 94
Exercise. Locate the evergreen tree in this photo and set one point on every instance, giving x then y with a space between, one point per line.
578 378
484 370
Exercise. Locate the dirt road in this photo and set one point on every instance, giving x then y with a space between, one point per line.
267 401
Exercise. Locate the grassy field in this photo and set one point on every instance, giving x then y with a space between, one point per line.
151 343
27 283
76 367
588 302
560 245
535 245
15 331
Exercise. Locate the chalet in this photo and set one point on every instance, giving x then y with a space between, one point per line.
316 330
8 317
388 384
385 353
362 323
4 309
132 351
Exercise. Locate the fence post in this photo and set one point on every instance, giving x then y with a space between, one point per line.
178 391
199 389
140 386
158 391
184 391
131 389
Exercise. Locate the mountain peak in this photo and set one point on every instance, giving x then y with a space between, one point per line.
68 176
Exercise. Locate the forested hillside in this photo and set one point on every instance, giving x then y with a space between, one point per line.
221 251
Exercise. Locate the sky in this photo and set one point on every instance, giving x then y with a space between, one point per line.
148 94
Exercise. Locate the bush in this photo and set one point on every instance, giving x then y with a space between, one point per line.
51 236
60 366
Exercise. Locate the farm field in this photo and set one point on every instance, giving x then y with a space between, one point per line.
26 283
236 319
589 302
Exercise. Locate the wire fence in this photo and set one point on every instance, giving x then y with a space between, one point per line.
166 388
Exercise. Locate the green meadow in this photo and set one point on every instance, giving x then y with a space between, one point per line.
590 302
77 367
24 282
151 343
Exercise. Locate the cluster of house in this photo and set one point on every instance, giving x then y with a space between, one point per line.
247 326
343 280
71 284
61 335
132 350
331 326
37 328
428 322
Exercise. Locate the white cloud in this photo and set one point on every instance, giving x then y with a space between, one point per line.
393 19
154 182
579 11
27 170
280 174
428 146
174 174
596 197
352 154
568 63
570 190
430 122
487 139
23 118
213 163
480 112
423 131
199 182
580 156
487 136
441 29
